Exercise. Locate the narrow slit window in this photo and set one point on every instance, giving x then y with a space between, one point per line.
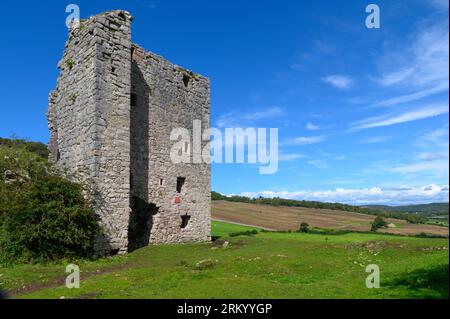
180 183
160 181
133 99
186 79
184 221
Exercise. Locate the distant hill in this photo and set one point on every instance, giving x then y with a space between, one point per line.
427 209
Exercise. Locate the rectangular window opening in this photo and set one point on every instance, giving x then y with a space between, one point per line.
180 183
184 220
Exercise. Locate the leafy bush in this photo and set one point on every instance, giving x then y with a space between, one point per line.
43 216
378 223
304 227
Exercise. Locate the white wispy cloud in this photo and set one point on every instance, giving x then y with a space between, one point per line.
376 139
394 77
239 119
421 70
426 166
318 163
306 140
437 138
388 120
339 81
264 114
413 96
312 127
362 196
286 157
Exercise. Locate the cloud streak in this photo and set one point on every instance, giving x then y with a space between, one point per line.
363 196
312 127
339 81
239 119
415 115
426 72
306 140
422 167
289 157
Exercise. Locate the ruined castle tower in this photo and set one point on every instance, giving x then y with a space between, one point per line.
110 119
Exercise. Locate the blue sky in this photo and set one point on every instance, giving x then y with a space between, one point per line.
362 113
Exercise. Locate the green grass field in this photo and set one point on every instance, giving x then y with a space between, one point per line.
266 265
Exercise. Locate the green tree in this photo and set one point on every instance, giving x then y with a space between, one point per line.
378 223
304 227
43 216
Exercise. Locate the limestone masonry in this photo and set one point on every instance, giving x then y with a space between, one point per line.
110 119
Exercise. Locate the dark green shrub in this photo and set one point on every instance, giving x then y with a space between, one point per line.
378 223
304 227
43 216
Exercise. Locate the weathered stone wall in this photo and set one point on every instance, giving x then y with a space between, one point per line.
110 119
89 118
166 96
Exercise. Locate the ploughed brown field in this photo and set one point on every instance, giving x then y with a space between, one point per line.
289 218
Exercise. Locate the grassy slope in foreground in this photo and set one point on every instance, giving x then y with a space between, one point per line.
267 265
289 218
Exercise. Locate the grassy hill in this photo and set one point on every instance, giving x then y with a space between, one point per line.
290 218
265 265
430 209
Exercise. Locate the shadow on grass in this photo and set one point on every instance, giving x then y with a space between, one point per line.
425 283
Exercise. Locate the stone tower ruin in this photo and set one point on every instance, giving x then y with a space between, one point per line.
110 119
